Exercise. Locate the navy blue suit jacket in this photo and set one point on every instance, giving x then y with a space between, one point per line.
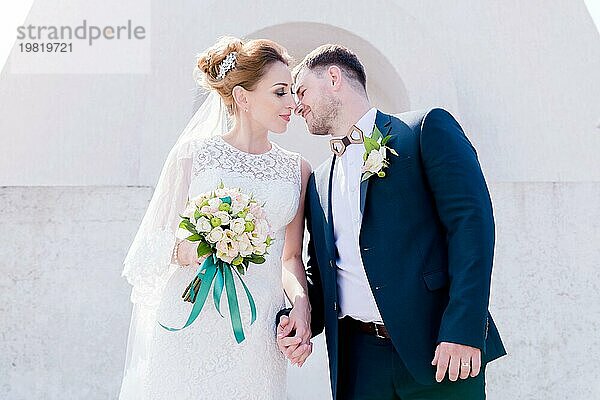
426 241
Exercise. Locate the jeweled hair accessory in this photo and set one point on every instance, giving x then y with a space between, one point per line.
227 65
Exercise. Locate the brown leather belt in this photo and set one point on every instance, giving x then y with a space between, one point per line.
371 328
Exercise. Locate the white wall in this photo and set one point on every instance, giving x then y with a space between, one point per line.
522 78
64 309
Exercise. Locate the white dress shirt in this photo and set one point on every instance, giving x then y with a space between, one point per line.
355 297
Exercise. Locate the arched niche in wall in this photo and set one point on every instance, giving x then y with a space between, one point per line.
385 87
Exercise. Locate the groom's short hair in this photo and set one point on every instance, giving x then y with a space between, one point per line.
333 54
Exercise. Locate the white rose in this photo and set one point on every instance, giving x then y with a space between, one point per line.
260 249
238 203
203 225
244 198
234 249
214 202
215 235
199 200
205 210
238 225
222 248
258 240
223 244
255 209
189 210
227 250
374 161
223 216
261 227
245 246
224 256
236 207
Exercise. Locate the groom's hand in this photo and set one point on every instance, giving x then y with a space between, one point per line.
458 360
292 346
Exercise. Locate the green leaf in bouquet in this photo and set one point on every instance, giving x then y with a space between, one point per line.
256 259
238 260
186 224
204 249
194 237
241 269
221 185
269 240
225 207
197 214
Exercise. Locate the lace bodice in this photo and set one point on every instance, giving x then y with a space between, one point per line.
203 361
273 177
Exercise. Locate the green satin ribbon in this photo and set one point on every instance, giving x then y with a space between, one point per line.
216 270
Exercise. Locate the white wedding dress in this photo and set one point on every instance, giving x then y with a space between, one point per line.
203 361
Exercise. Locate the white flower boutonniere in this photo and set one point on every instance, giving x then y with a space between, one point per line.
375 156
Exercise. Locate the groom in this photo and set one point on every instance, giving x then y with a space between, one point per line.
401 244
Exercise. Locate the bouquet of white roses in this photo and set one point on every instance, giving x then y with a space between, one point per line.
232 232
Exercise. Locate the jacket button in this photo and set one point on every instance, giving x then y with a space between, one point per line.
335 306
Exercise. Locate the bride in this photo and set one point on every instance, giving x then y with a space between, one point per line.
250 83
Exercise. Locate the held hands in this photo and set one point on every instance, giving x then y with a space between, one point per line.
293 334
458 360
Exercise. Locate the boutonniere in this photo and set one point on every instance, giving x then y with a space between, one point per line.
375 156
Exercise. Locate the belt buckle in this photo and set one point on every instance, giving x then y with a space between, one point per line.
377 334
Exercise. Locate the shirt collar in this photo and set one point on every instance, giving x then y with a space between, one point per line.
367 122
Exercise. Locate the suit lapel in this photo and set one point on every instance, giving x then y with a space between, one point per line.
384 124
324 186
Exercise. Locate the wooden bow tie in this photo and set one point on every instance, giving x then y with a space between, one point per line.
338 145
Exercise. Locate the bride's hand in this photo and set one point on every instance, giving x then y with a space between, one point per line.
187 253
299 324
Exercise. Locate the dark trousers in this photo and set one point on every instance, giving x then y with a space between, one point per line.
370 369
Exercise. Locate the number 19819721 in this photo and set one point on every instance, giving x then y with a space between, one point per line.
55 47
